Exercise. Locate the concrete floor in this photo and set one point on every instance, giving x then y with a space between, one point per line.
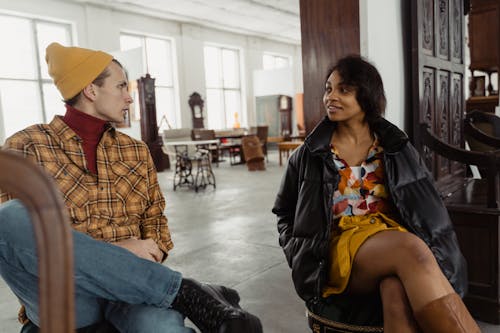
227 236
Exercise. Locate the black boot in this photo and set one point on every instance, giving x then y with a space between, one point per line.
214 309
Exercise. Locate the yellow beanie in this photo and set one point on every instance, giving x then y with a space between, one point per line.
73 68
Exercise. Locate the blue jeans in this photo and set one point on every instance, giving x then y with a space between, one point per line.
111 283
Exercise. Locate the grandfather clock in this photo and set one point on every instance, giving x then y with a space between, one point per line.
149 127
285 109
196 104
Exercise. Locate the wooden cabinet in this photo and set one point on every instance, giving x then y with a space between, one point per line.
484 44
484 35
483 103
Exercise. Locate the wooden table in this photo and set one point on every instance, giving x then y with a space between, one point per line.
285 147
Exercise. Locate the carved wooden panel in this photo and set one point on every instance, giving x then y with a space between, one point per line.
456 34
456 113
428 27
428 112
437 79
442 122
444 33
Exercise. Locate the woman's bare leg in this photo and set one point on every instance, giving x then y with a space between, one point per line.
404 255
398 316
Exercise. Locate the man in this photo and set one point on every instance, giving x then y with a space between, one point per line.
110 187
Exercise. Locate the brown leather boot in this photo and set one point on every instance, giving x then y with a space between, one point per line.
447 314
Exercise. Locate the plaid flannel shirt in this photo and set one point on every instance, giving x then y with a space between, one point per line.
122 201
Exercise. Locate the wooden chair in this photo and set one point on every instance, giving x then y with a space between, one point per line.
475 212
230 142
39 193
254 156
347 314
262 134
207 134
482 130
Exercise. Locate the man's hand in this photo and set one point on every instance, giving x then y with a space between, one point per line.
144 248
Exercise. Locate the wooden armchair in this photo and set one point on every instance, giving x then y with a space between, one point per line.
254 156
39 193
207 134
475 212
482 130
262 132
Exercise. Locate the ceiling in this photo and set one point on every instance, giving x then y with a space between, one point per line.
273 19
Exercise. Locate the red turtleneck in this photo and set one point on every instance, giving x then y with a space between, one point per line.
89 129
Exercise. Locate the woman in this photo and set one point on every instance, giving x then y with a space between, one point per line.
358 213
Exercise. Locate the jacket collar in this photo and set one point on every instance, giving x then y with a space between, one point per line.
392 139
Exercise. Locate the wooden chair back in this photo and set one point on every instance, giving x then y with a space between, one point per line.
474 209
252 150
482 130
30 184
489 161
202 134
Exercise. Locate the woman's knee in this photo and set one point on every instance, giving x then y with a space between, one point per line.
414 252
393 294
391 288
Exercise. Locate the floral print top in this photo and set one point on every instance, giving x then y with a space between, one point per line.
364 192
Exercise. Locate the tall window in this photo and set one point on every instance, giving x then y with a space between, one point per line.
158 61
223 82
273 61
27 94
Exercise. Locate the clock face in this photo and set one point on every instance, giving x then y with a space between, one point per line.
284 102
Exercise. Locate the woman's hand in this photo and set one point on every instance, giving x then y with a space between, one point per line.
143 248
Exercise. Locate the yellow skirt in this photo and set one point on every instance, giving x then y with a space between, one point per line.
351 233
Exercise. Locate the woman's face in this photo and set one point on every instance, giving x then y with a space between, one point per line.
340 100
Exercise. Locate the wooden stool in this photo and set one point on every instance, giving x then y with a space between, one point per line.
346 313
319 324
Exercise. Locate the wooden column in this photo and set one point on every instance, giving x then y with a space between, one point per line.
330 30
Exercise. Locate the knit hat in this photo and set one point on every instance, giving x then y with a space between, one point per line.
73 68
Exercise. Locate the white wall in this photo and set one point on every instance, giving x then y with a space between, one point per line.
381 37
274 82
99 28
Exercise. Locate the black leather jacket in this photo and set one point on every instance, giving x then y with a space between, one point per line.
305 197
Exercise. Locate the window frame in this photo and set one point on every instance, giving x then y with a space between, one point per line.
222 88
39 80
276 56
174 70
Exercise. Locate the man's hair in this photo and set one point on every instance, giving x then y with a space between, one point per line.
98 81
365 78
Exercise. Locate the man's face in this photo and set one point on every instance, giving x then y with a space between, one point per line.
112 99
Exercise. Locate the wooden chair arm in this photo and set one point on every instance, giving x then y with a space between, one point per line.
29 183
487 160
471 129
